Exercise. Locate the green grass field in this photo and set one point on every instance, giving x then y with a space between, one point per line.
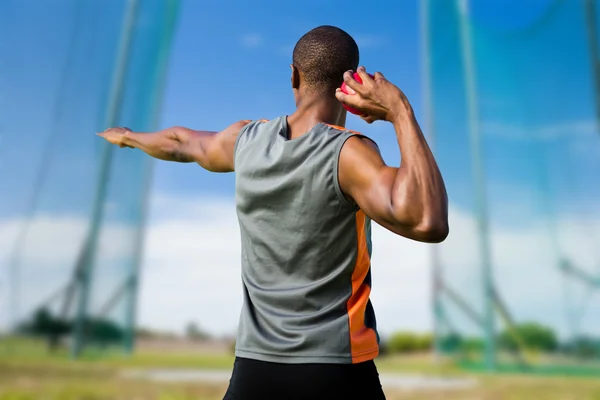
27 372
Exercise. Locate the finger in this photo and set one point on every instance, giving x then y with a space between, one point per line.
367 118
341 96
366 78
378 76
347 99
349 90
351 83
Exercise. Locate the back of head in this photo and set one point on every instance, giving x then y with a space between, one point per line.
323 55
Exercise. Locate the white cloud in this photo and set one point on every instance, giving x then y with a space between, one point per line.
252 40
191 266
203 269
197 275
50 250
525 266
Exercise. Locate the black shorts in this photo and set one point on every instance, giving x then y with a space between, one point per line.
260 380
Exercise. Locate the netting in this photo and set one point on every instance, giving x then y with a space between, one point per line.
513 105
71 209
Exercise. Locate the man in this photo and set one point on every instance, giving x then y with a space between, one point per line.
306 191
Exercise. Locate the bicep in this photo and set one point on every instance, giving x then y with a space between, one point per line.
214 151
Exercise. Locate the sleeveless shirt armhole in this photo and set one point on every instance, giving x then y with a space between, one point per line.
242 131
336 181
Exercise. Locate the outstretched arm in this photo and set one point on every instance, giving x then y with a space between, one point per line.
410 200
213 151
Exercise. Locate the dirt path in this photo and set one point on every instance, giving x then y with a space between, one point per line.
391 381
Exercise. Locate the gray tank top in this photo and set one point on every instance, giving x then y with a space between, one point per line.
306 250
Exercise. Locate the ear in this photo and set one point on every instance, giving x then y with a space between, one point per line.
295 77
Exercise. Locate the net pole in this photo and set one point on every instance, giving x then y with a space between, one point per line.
590 14
436 271
479 183
47 153
172 10
111 119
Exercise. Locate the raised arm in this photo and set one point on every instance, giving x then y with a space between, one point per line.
213 151
410 200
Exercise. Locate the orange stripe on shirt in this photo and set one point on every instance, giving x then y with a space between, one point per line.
341 128
363 340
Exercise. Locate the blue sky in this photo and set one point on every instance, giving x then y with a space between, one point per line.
224 71
230 61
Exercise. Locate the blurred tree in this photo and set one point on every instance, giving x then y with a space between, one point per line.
104 332
194 332
584 347
44 324
425 342
407 342
451 342
534 336
472 344
402 342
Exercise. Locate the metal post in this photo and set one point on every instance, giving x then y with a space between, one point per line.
590 13
479 180
46 157
436 277
132 285
111 119
133 280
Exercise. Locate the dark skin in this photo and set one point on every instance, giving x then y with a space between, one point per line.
410 200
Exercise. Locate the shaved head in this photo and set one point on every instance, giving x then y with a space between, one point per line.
323 55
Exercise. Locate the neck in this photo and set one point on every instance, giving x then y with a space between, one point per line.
314 109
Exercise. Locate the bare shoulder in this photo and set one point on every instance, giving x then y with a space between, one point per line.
360 151
360 166
242 123
236 127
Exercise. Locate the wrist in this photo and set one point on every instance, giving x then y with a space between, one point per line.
400 112
127 139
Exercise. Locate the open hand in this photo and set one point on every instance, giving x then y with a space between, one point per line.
376 98
115 136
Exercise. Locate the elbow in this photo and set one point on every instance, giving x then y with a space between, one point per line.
434 225
433 231
438 234
175 147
